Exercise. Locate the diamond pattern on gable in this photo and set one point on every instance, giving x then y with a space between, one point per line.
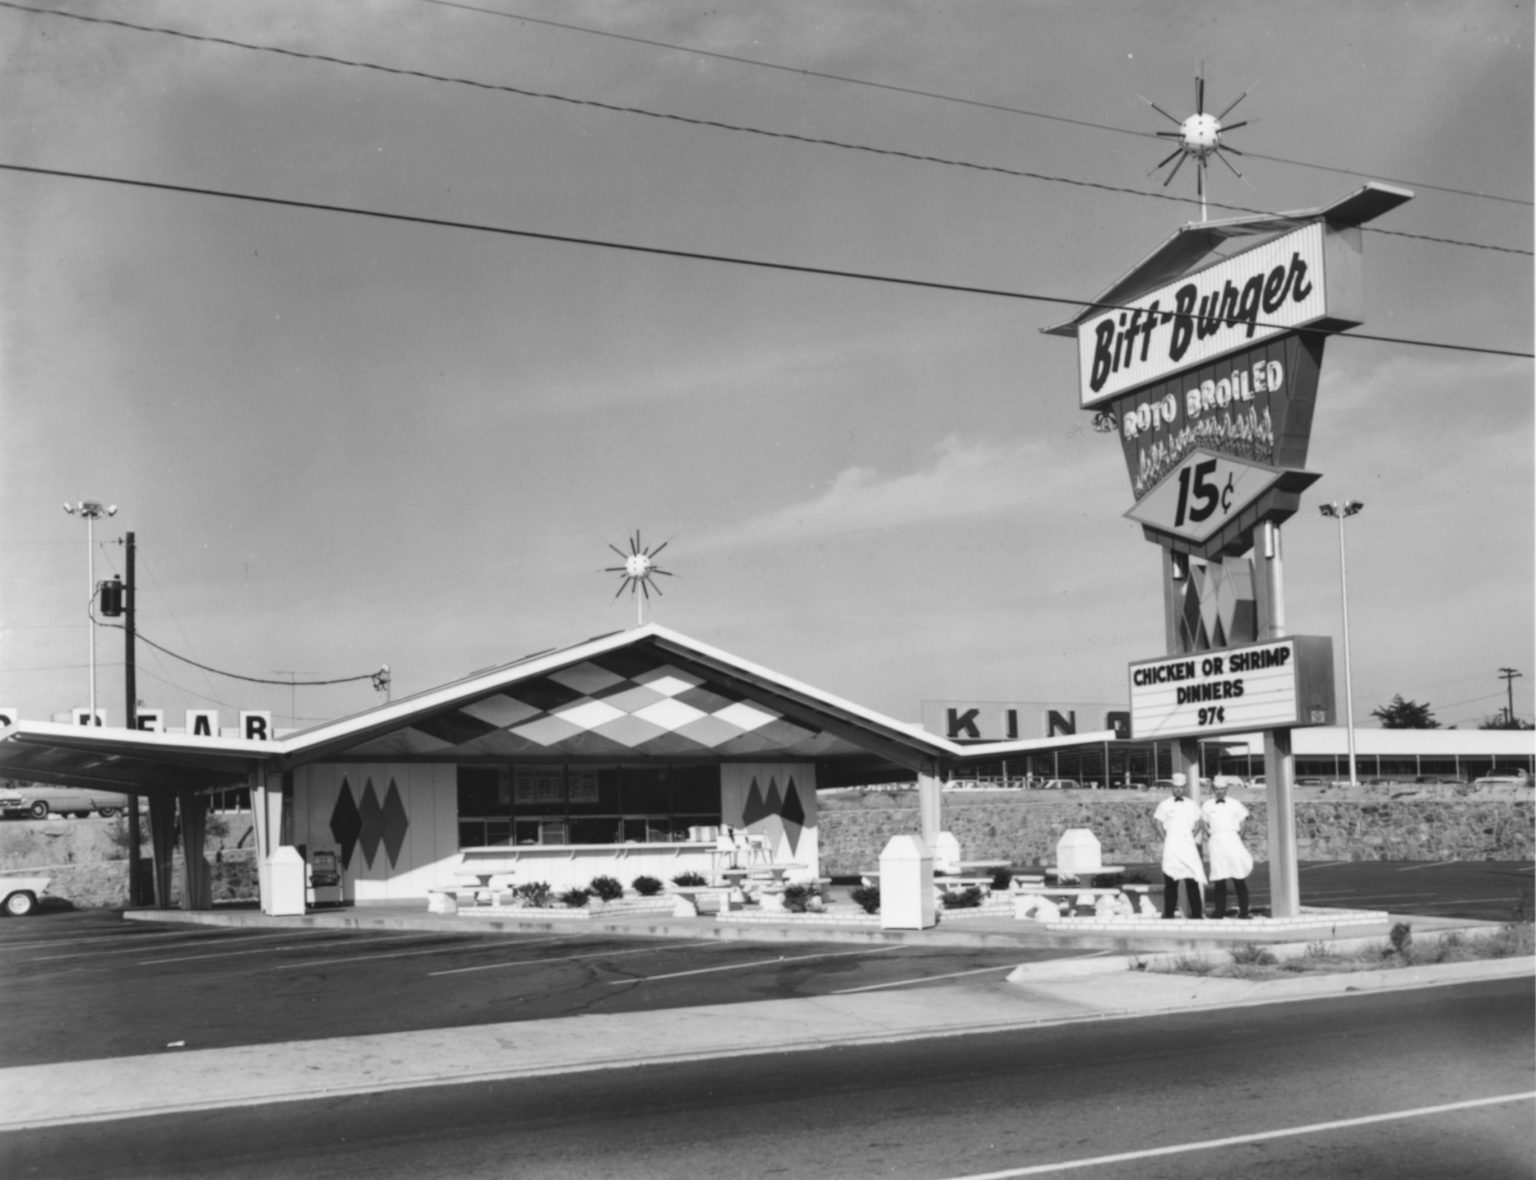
627 663
629 730
745 716
586 678
502 712
669 714
546 730
592 744
455 727
672 745
632 698
709 731
544 695
707 698
669 680
590 714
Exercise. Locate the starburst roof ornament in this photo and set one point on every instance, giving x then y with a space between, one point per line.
638 572
1200 138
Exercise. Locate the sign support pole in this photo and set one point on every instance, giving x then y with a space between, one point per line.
1279 762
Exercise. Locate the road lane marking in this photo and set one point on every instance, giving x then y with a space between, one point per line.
140 950
1327 864
755 963
870 987
298 946
1254 1137
119 937
490 944
1432 864
639 950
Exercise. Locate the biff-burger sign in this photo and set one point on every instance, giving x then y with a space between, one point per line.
1309 277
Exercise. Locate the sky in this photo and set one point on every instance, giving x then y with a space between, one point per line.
345 441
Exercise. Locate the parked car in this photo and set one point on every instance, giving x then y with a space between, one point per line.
1060 784
1500 775
39 801
19 895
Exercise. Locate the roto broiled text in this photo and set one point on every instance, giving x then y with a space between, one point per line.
1195 317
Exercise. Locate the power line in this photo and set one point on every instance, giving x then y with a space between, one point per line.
140 637
691 255
940 97
714 124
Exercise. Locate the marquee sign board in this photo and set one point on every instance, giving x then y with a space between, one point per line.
1282 684
1307 277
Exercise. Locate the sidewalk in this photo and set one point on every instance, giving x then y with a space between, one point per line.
1058 991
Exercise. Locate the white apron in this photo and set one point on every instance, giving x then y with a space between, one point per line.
1224 822
1180 819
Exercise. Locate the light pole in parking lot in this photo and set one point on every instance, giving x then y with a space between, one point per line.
1342 512
91 510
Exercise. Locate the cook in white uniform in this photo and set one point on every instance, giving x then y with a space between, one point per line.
1230 860
1180 820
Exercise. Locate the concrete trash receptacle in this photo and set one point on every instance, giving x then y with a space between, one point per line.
1078 853
906 885
285 881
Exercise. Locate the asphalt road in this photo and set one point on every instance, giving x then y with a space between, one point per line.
1416 1084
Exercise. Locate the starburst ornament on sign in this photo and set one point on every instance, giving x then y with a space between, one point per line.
1199 139
637 574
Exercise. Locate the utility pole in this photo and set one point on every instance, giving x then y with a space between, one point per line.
1508 675
131 686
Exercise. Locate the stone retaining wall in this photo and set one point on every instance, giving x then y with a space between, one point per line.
1024 827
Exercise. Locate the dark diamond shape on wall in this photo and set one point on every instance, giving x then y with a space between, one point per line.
395 823
346 824
794 810
371 826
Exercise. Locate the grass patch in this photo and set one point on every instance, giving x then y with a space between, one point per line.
1400 949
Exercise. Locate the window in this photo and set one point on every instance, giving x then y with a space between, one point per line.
534 803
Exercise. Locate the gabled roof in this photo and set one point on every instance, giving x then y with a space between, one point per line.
1191 245
646 693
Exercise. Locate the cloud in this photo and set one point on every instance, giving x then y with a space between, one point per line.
961 479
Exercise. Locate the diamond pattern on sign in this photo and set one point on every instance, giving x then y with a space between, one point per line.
669 714
586 678
745 716
395 823
346 824
629 731
371 828
547 730
590 714
502 712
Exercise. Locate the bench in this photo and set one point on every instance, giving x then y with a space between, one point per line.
687 905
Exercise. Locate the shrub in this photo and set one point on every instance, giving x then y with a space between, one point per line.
689 879
535 895
575 898
1253 956
867 898
798 897
606 888
646 886
967 898
1401 937
1001 879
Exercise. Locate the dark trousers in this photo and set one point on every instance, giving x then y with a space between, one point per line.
1221 896
1171 897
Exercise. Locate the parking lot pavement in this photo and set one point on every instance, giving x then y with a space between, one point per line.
144 988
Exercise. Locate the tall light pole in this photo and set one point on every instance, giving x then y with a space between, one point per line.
1342 512
91 510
